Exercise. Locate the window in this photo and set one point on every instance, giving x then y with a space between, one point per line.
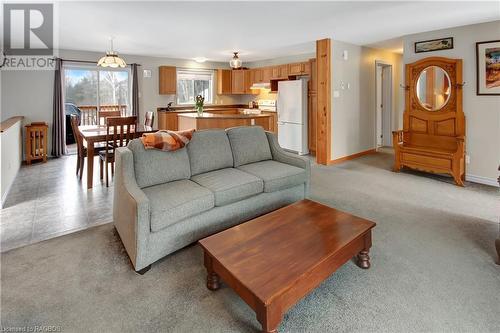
194 82
97 89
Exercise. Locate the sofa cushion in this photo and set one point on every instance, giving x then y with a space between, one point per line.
209 150
276 175
230 185
249 144
175 201
153 167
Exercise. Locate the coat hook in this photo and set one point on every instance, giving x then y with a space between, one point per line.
404 87
460 84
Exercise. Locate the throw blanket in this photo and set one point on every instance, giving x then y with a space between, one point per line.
167 140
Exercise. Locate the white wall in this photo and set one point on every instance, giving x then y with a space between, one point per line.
11 154
283 60
482 112
30 93
354 111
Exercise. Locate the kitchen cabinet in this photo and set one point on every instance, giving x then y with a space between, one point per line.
267 73
224 81
276 72
283 71
257 75
167 121
312 115
273 121
249 80
299 68
168 80
313 83
279 72
312 111
238 82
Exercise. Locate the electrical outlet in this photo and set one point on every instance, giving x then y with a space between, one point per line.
467 159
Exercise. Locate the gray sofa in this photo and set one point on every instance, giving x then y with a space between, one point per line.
164 201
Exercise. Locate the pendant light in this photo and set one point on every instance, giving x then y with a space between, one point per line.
111 59
236 61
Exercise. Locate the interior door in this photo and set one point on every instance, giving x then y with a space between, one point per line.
387 105
379 102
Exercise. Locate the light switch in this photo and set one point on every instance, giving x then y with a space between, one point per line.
147 73
336 94
348 86
345 55
342 85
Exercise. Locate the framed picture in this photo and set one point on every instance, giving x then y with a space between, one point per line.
434 45
488 67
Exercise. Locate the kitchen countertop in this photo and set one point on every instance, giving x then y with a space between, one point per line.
190 108
208 115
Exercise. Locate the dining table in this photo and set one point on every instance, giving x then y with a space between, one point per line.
93 134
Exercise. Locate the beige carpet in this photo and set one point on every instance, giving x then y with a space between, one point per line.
432 269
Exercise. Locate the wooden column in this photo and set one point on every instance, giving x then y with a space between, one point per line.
324 132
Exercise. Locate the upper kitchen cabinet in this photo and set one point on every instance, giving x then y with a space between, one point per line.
224 81
257 75
239 81
249 81
267 73
299 68
313 83
168 80
283 71
279 72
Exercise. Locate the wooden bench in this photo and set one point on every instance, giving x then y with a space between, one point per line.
433 135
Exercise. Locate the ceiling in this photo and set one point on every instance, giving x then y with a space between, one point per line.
259 30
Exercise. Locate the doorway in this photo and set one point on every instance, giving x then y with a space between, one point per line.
383 104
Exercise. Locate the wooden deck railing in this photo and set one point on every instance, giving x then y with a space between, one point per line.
92 115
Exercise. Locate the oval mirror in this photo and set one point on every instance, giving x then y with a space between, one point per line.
433 88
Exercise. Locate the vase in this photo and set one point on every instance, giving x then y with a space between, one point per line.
199 109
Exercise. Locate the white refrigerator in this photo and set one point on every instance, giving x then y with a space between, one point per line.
291 107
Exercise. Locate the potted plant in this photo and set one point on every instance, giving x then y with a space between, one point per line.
199 104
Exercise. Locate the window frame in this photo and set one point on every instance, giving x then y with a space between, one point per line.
88 67
209 71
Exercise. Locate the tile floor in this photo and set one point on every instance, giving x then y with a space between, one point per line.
48 200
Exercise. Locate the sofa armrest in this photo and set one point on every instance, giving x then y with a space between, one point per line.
280 155
131 209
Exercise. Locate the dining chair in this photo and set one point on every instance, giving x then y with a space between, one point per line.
80 145
103 115
119 131
150 118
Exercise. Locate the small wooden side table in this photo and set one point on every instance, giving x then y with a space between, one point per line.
36 142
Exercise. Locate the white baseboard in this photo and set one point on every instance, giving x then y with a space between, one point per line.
482 180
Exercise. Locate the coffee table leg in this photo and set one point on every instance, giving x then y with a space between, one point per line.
213 280
269 318
363 258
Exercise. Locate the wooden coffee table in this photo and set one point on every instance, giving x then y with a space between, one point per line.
276 259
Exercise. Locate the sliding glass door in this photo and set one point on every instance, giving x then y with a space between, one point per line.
90 90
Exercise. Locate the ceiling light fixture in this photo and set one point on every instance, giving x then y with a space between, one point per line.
235 62
200 59
111 59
